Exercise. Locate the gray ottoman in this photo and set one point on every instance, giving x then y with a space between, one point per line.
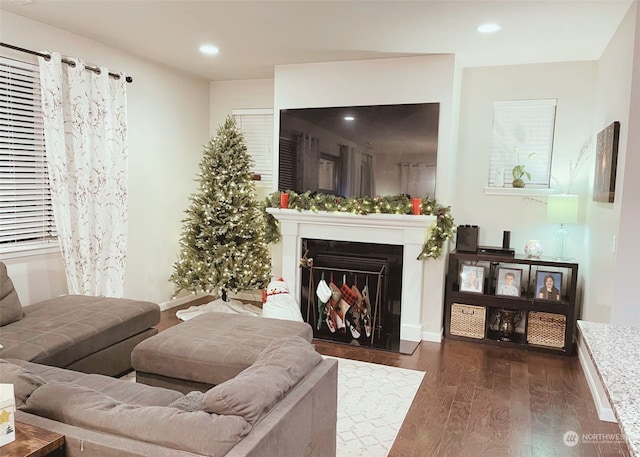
208 349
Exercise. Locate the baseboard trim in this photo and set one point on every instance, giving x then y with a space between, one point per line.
180 301
432 336
605 413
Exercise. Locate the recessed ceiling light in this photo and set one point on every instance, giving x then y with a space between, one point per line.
209 49
349 118
488 28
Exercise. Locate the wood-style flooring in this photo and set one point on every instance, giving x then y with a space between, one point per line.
480 400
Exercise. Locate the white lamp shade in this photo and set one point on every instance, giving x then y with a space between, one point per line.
562 209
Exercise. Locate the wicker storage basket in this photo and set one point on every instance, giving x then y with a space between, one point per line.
467 320
546 329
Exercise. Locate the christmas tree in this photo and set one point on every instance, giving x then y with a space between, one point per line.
223 246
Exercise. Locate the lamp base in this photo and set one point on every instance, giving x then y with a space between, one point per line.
561 243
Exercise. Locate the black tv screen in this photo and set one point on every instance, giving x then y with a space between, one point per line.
360 151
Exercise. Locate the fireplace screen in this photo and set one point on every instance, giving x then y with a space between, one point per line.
351 292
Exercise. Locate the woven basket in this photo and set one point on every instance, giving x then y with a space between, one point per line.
467 320
546 329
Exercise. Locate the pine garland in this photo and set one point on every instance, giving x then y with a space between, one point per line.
442 230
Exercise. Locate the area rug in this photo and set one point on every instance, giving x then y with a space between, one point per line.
372 403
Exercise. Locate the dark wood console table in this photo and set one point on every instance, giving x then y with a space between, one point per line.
32 441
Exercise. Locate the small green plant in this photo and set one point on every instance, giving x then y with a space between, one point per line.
519 170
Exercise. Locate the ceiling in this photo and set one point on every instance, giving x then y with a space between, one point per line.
254 36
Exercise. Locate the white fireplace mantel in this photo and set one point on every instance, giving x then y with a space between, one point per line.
408 231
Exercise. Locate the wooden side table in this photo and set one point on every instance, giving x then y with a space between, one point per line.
32 441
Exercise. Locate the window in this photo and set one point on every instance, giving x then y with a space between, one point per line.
522 135
257 127
26 213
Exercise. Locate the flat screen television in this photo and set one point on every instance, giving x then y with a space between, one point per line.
360 151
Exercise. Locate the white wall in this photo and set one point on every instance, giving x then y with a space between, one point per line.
524 214
590 96
36 277
168 114
613 91
225 96
626 273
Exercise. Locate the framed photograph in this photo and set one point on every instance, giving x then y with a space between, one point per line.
604 188
508 282
472 279
548 285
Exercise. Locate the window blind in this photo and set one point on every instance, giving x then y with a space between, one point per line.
257 127
527 125
26 213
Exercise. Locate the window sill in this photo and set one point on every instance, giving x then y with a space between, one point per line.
516 192
28 250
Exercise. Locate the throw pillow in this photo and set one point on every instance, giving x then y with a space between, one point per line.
24 382
193 401
10 307
258 388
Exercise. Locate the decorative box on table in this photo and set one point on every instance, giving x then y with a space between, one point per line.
7 414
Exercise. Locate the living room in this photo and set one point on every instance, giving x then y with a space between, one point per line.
167 133
171 115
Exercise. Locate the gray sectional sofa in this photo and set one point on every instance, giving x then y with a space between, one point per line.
57 352
283 405
89 334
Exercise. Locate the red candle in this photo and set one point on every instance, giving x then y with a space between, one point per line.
417 202
284 200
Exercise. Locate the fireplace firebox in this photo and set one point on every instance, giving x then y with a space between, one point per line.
368 277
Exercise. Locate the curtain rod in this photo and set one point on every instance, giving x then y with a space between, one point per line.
128 79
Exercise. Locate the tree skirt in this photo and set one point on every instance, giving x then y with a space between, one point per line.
219 306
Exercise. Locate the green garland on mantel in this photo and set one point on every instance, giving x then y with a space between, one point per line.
437 234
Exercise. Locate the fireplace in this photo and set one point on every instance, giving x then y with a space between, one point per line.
403 230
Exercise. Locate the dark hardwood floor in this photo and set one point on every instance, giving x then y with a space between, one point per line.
480 400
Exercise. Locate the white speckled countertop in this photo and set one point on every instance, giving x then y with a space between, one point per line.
616 355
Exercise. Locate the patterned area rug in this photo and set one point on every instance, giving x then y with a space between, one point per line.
372 403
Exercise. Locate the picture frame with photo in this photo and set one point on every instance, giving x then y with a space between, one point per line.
508 282
548 285
472 279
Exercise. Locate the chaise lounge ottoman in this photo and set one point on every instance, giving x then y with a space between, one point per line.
208 349
78 332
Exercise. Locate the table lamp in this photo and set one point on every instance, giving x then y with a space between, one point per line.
562 209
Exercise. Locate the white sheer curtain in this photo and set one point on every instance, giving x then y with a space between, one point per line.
85 125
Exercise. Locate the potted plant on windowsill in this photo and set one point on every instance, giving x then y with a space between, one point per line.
519 171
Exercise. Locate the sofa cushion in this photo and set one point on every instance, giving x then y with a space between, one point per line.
10 306
212 347
197 432
257 389
63 330
24 382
